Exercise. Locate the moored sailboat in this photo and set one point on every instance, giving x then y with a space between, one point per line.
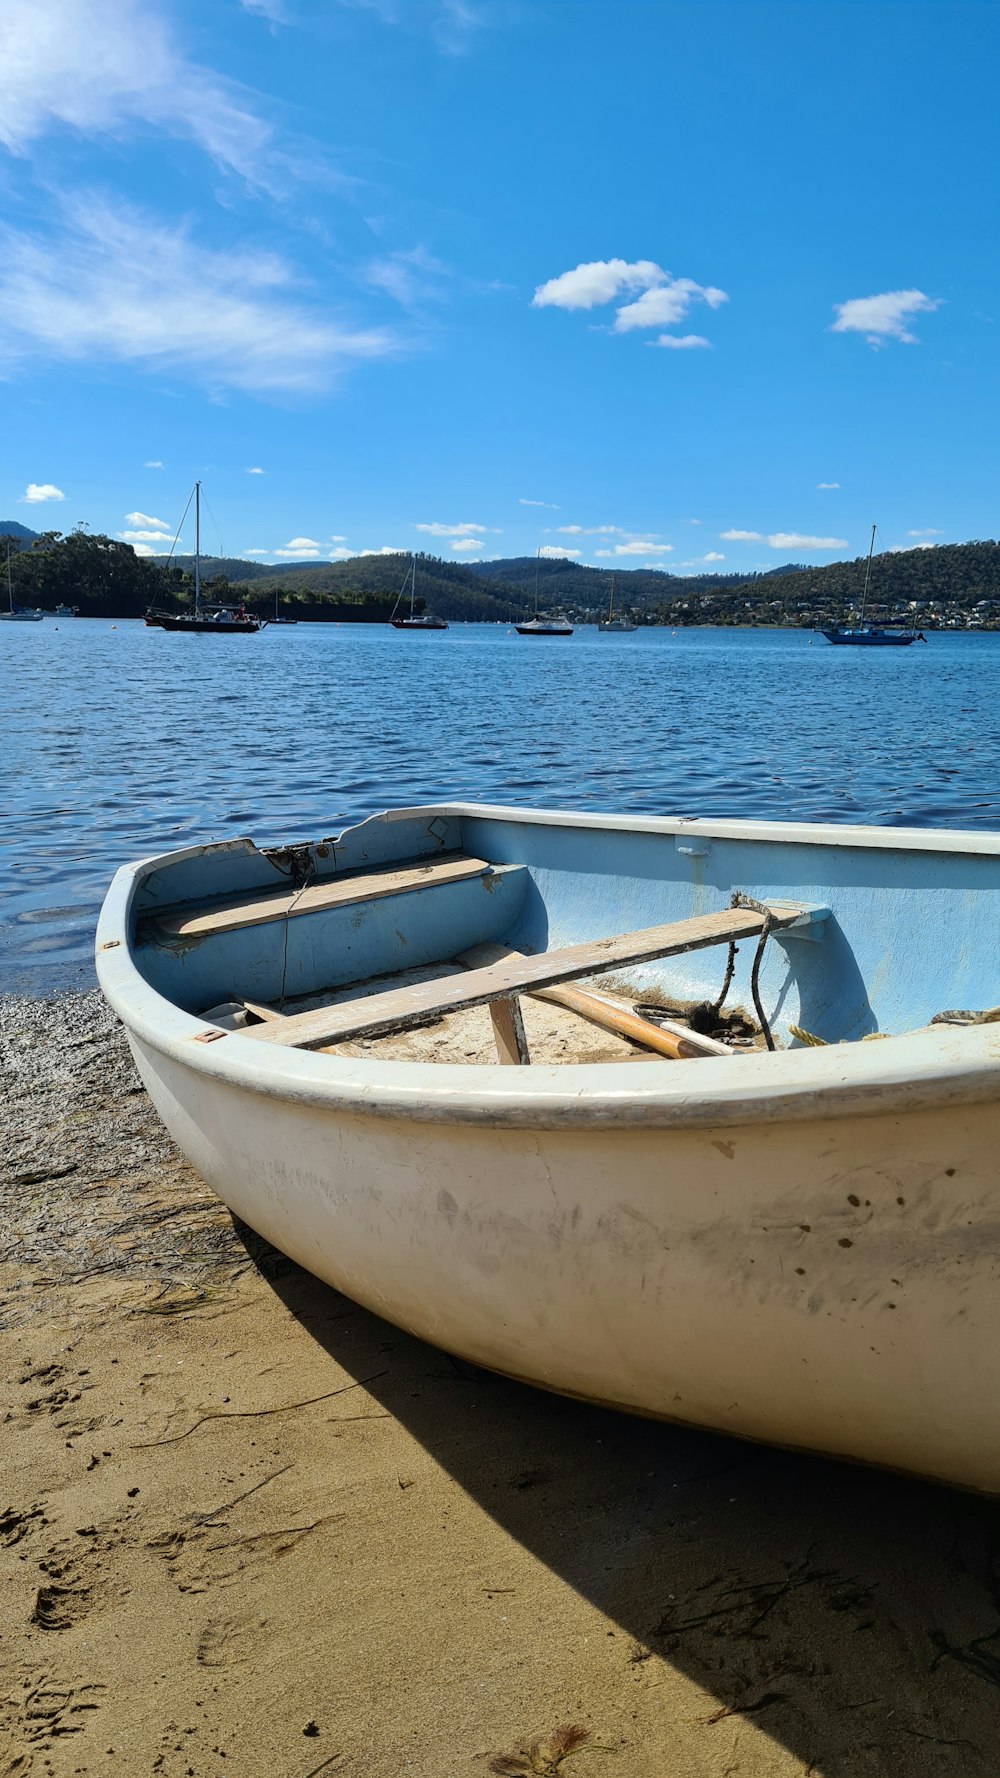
207 619
415 621
612 624
541 624
17 614
867 635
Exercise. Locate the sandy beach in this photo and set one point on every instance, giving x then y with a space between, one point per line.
248 1530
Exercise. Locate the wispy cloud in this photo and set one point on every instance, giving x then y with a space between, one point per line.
590 530
796 540
256 471
147 519
412 277
154 463
147 536
387 549
638 546
36 492
338 555
255 552
552 507
99 66
930 532
742 536
711 555
438 530
883 318
272 10
828 484
115 284
462 544
688 342
555 551
452 24
663 302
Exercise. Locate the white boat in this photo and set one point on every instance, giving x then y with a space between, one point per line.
541 624
798 1245
612 625
17 614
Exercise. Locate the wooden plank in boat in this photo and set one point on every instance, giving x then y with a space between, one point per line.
400 1007
274 904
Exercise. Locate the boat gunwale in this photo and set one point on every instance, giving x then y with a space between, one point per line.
949 1065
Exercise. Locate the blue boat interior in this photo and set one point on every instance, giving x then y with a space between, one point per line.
910 931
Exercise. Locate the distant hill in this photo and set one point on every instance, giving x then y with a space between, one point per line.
955 586
13 528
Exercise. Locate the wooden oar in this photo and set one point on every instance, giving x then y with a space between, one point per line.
677 1044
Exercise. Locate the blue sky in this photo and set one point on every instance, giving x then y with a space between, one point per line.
710 284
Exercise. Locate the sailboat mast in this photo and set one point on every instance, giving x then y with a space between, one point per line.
197 549
413 580
10 589
611 604
537 554
868 575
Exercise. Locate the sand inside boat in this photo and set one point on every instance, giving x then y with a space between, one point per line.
555 1035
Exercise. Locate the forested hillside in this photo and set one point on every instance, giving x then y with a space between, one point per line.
953 586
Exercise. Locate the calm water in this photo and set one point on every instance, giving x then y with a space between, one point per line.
119 740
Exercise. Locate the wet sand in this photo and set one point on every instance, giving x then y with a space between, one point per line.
248 1530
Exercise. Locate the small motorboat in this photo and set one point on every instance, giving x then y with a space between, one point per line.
410 1056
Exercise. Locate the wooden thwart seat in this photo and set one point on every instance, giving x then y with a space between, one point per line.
235 911
398 1008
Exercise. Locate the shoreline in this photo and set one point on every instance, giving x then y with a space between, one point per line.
250 1529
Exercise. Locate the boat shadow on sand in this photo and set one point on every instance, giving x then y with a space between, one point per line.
853 1615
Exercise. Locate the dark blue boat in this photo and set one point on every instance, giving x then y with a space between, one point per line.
862 635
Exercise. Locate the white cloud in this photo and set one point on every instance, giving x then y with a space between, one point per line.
639 546
795 540
35 492
299 549
712 555
882 318
115 285
450 530
687 342
338 555
664 299
466 543
153 464
273 10
144 536
556 552
930 532
666 304
451 22
549 503
98 66
742 536
145 518
599 281
691 521
255 552
387 549
336 539
828 484
256 471
140 549
589 530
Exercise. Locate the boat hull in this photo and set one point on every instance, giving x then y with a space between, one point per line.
820 1287
870 639
801 1248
